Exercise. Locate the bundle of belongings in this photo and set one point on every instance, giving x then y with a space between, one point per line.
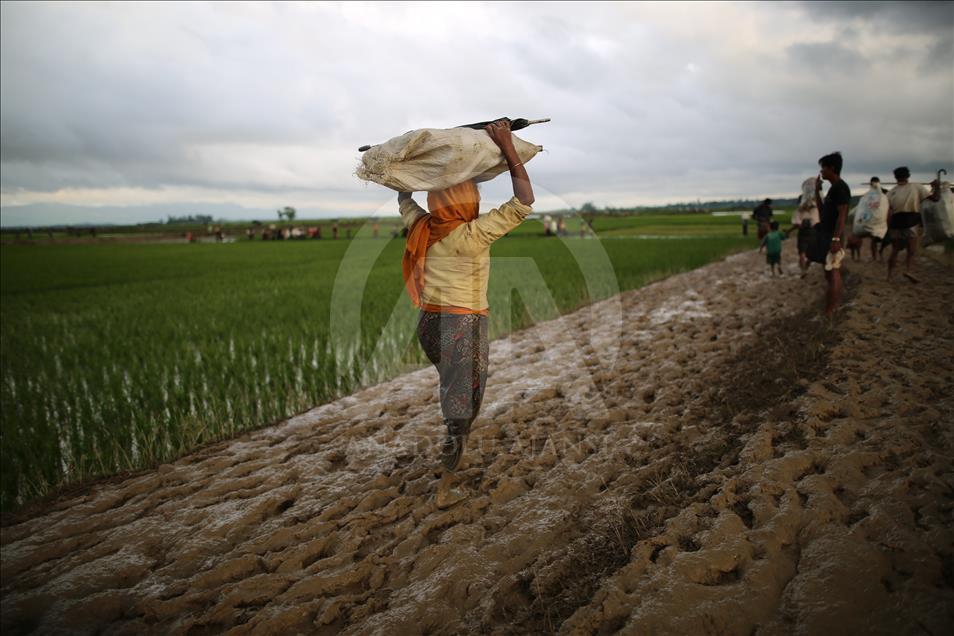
431 159
938 215
871 213
807 209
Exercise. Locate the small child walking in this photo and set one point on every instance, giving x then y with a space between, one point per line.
772 244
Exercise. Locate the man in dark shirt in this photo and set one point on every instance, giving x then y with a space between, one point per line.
830 231
763 217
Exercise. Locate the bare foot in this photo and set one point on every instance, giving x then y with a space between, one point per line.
911 277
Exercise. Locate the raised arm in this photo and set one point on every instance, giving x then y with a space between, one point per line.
410 210
487 228
499 132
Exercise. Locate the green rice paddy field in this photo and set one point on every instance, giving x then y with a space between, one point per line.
121 356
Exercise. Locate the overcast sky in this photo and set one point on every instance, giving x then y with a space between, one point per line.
134 106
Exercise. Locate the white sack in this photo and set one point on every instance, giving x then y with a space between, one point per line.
434 159
806 204
938 216
871 214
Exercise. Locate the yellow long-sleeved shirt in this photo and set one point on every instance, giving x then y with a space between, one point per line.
457 268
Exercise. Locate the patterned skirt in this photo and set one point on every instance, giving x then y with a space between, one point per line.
458 346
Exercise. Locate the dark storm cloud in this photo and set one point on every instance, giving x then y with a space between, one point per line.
820 55
905 17
933 19
88 88
648 101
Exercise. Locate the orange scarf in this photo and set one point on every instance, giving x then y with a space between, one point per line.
448 209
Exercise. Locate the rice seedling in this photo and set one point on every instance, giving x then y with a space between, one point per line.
118 357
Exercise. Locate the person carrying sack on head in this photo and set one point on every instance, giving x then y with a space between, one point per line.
446 269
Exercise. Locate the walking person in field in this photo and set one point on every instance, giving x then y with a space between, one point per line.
446 270
763 216
772 245
872 217
829 232
804 219
904 220
804 240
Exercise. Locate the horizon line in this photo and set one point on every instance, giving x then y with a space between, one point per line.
697 204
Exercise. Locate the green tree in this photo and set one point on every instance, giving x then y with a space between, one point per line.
588 208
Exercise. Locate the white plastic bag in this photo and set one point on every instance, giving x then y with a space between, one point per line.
871 214
938 216
431 159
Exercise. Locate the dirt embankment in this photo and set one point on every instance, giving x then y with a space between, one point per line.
741 468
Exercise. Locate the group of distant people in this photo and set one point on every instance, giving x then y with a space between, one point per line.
294 233
554 226
273 233
820 224
70 231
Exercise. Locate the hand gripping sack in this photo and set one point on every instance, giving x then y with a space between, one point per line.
432 159
871 214
938 216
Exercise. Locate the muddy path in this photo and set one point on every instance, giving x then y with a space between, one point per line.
741 468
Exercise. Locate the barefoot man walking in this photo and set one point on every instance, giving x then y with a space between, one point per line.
446 271
829 233
904 220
